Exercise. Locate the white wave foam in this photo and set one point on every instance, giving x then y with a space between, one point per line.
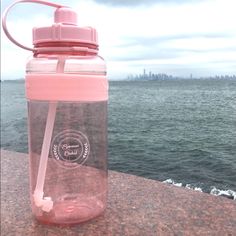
189 186
227 193
170 181
214 191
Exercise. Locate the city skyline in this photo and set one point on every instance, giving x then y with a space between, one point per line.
149 75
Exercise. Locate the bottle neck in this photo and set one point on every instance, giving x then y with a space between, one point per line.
65 48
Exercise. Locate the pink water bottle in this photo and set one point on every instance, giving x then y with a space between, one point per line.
67 93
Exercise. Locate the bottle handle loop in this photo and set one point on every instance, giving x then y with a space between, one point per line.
4 19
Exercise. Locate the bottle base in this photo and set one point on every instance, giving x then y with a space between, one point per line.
72 212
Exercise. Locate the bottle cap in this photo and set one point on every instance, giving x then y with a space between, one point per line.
65 29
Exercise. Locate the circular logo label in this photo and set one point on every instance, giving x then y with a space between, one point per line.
70 148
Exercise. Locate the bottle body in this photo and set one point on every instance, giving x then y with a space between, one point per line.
71 136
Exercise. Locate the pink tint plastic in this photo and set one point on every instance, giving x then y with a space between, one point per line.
67 137
65 29
65 15
5 14
61 87
77 187
67 94
68 147
65 33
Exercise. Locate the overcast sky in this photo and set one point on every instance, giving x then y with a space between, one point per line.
177 37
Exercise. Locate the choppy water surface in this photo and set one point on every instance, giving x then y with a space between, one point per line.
183 130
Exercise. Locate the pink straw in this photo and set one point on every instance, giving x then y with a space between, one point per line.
4 18
46 203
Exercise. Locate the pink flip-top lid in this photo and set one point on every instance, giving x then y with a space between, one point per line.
65 29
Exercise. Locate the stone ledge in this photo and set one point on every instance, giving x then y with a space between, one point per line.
136 206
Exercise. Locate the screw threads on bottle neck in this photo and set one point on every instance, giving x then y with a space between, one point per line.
65 48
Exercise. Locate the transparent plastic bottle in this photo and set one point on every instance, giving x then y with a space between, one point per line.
76 173
67 92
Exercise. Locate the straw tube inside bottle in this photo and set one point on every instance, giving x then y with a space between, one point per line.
46 203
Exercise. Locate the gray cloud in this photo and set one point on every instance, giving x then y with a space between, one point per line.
143 2
130 41
154 48
165 53
147 54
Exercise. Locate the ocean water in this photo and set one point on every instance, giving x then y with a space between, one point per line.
178 131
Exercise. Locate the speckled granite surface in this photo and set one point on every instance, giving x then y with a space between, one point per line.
136 206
